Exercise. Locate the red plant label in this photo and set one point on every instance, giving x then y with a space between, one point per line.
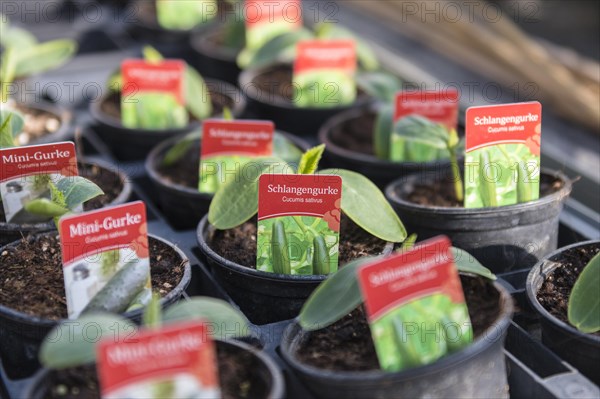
227 146
298 223
26 174
266 19
166 77
173 362
105 255
502 163
326 55
415 305
437 106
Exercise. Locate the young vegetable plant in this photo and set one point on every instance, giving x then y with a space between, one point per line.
584 302
414 138
24 56
185 15
67 344
156 112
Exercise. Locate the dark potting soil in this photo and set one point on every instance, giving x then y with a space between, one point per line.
239 244
554 293
237 376
38 123
356 134
441 193
112 105
32 282
347 344
107 180
185 171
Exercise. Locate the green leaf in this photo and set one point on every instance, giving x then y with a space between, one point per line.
197 95
381 85
16 38
45 207
273 50
224 320
8 67
44 57
384 124
151 317
366 57
365 204
11 125
77 190
234 31
237 201
152 55
584 302
73 342
310 160
227 114
409 243
334 298
466 263
180 148
417 129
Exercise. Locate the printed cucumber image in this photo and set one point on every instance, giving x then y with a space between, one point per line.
420 332
502 174
324 89
297 245
153 111
218 170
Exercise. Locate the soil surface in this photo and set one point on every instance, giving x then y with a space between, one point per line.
32 282
38 123
347 344
108 181
238 376
441 193
111 105
356 134
556 289
185 171
239 244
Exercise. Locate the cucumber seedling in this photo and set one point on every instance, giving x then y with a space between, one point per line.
584 302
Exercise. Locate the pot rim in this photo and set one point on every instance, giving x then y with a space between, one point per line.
203 229
24 318
121 198
542 269
224 88
558 196
324 136
502 322
153 158
246 80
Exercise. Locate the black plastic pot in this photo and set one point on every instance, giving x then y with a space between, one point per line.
503 239
212 59
579 349
478 371
10 232
270 384
184 206
135 144
262 296
381 172
21 334
64 116
267 104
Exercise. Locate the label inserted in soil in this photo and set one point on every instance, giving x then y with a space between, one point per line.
31 172
502 163
172 362
266 19
415 306
106 262
153 94
228 146
298 223
437 106
324 73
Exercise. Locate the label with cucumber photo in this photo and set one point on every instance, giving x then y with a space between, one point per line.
34 172
106 261
298 223
502 160
178 361
153 94
415 306
324 73
228 146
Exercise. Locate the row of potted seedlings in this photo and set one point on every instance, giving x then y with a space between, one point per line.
270 266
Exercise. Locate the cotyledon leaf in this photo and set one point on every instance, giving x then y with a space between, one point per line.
77 190
584 302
